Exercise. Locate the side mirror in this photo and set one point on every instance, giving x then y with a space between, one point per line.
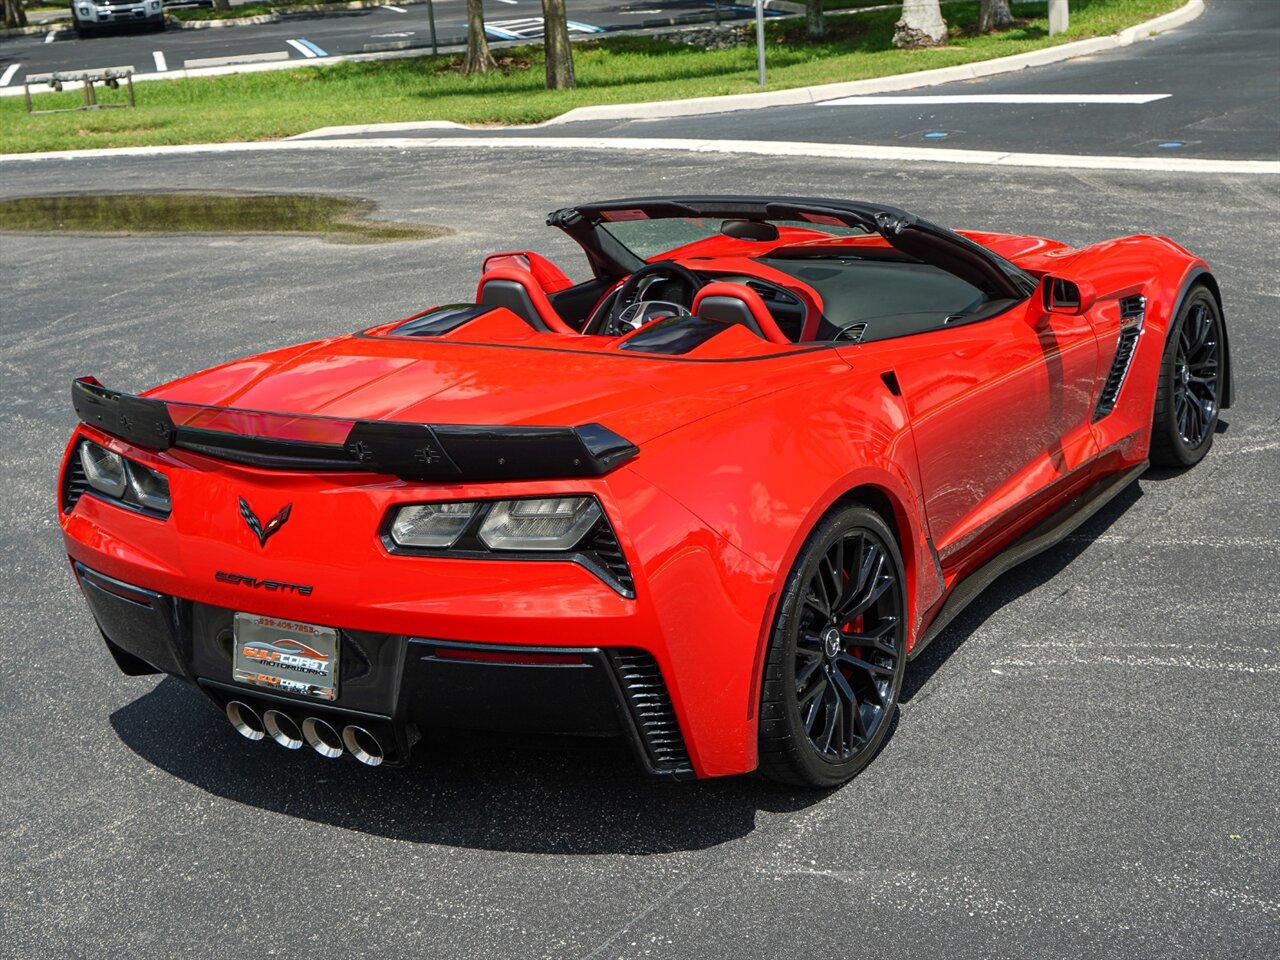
1070 297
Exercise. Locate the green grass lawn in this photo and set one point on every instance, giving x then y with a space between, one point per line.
262 106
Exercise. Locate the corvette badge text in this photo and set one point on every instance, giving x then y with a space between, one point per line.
279 586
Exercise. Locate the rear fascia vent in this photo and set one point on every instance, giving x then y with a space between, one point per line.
649 703
74 482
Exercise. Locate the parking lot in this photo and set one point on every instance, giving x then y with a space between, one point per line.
1086 763
374 30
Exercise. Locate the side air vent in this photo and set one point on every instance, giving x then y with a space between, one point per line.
772 294
853 333
650 705
603 545
74 483
1132 312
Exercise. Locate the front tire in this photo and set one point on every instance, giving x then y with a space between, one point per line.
837 653
1189 394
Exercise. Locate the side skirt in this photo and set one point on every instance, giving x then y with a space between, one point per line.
1048 533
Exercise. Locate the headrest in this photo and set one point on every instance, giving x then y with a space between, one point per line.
518 291
737 303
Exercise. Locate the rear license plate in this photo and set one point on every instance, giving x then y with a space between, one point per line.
288 657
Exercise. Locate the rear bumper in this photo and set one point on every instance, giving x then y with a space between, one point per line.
403 688
696 610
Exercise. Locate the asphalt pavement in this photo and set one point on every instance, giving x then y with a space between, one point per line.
1219 74
1086 764
303 37
1209 89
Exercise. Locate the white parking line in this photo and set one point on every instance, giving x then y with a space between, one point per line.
530 28
306 48
301 49
8 74
827 151
1136 98
161 64
49 37
387 6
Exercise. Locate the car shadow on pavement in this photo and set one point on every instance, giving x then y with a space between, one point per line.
1020 580
557 795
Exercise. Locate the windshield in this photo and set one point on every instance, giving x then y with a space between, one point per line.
647 238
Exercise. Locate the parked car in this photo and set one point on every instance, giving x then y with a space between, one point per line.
711 499
90 16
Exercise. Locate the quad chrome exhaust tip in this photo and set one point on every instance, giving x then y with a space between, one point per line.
282 729
322 737
246 720
363 745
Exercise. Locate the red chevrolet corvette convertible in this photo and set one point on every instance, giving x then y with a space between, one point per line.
712 499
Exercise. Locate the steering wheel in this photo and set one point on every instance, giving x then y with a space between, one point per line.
630 312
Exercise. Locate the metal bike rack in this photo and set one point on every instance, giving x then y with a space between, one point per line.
111 76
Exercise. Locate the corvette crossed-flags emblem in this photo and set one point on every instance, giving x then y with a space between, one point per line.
260 530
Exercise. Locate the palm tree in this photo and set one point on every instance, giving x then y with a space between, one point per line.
815 24
921 25
14 14
478 59
994 15
556 46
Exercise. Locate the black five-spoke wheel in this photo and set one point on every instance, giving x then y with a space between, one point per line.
837 653
1190 389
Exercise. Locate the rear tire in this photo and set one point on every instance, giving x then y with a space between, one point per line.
837 653
1189 394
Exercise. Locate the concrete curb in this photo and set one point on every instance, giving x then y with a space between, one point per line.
829 151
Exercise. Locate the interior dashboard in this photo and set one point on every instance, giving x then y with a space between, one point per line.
787 309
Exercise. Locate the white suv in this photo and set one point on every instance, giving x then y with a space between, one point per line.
90 15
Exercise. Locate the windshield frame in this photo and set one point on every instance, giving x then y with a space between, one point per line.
918 238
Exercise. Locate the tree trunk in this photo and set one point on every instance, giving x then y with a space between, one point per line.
994 15
921 25
814 23
556 46
14 14
224 5
478 58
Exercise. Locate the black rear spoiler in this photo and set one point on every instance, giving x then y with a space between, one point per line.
439 453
